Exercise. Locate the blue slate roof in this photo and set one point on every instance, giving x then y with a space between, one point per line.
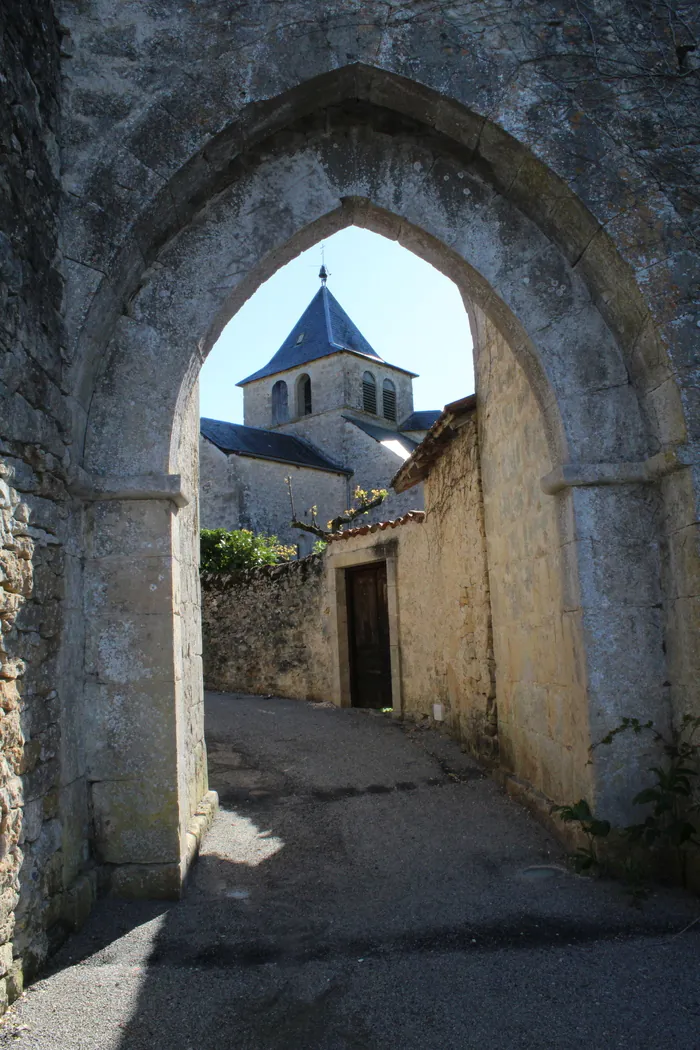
323 329
265 444
383 433
421 420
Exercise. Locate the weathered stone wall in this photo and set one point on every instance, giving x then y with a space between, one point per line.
44 853
537 632
456 566
188 621
201 150
268 631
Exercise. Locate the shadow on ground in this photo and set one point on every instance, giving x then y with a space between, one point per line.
367 888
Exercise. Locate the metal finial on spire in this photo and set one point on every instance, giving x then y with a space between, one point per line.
323 274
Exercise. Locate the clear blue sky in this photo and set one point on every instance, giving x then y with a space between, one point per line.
409 312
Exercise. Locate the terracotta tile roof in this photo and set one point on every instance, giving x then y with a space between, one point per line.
378 526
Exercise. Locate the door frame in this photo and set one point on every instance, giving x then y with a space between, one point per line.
337 564
378 570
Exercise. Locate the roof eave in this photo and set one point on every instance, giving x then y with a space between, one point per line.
255 378
419 464
278 459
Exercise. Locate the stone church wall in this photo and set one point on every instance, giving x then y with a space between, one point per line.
355 367
375 467
327 392
336 384
241 492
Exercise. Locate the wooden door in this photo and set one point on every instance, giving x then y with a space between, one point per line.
368 636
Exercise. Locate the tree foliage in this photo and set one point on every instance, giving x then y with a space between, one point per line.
223 551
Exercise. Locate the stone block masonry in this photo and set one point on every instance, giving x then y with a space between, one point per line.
268 631
46 884
202 146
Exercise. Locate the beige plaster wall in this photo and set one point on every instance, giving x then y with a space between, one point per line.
542 711
442 593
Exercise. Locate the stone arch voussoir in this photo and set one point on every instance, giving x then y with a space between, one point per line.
394 157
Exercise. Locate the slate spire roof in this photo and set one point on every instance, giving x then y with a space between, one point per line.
323 329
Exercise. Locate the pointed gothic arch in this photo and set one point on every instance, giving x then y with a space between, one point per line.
389 170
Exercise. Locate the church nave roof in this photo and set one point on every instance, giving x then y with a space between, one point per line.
240 440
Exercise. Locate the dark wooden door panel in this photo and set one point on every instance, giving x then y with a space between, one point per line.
368 628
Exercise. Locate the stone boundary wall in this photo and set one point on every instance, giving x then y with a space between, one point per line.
267 631
46 881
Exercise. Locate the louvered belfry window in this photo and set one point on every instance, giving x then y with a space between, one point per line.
389 400
369 393
280 402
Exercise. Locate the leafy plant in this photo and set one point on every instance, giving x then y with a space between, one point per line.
224 551
672 820
586 858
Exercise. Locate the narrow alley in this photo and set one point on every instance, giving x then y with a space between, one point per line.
365 886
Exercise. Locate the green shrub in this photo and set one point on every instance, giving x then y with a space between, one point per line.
670 819
222 551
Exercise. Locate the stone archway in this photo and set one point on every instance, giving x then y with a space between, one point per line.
143 343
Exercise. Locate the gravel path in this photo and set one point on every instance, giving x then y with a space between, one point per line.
364 887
